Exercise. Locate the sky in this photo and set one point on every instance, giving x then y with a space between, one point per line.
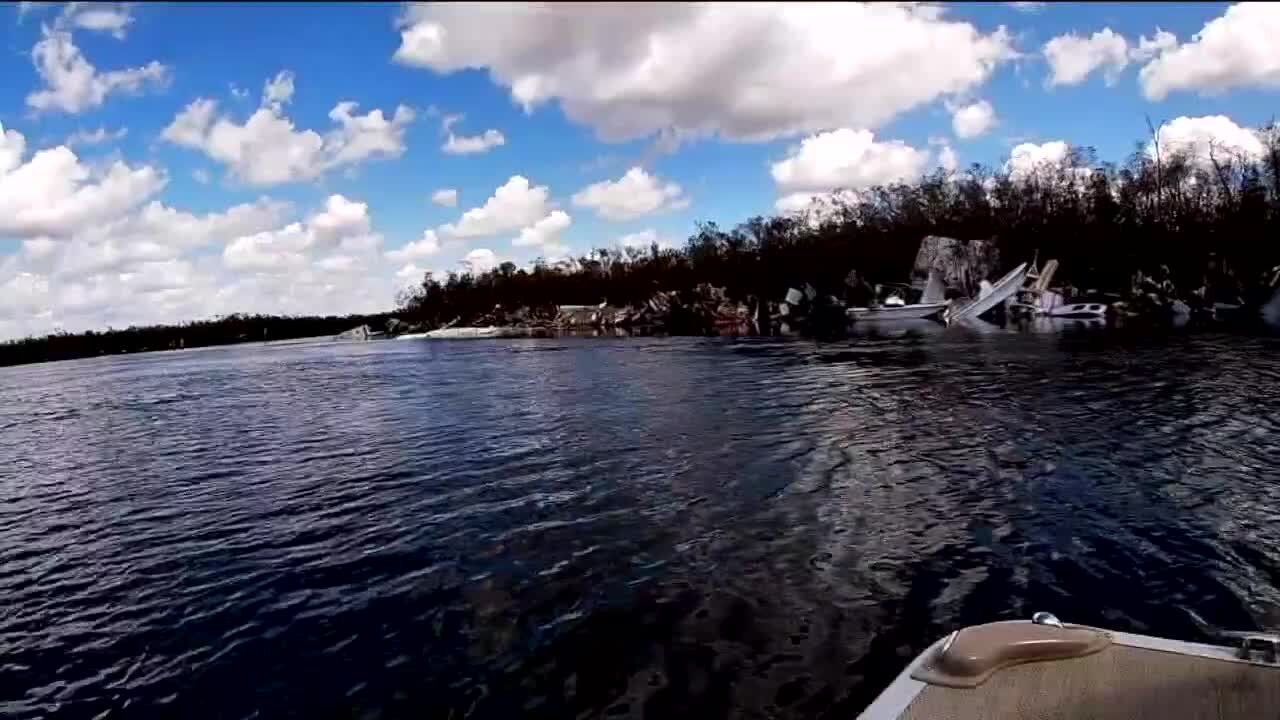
170 162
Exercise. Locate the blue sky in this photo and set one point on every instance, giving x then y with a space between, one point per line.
149 207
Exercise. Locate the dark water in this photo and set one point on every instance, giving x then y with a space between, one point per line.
600 528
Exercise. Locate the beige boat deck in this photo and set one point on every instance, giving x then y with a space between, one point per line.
1118 683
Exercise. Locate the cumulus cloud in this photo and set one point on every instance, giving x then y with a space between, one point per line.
53 193
327 264
268 150
1028 159
775 69
635 194
973 120
546 232
470 145
279 89
1236 50
95 137
424 247
445 197
947 159
72 84
1150 47
97 251
480 260
1204 139
645 239
112 18
843 159
410 274
515 205
1072 58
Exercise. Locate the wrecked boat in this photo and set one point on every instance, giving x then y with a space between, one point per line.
917 311
1079 311
1047 669
894 307
1003 289
461 333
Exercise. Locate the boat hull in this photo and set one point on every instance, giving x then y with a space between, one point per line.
918 311
1004 288
1079 311
1131 676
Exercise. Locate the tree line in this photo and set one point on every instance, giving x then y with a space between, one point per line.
1194 219
221 331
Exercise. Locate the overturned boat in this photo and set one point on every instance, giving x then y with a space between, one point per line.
1047 669
1003 289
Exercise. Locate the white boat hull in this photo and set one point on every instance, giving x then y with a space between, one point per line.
1004 288
463 333
896 312
1079 311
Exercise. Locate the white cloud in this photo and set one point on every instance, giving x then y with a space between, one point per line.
546 232
843 159
515 205
480 260
201 176
24 294
1203 139
469 145
947 159
53 193
973 120
774 69
1235 50
238 92
1027 7
341 218
278 90
424 247
158 233
1073 58
343 227
1149 47
26 6
1027 159
445 197
635 194
410 274
147 266
95 137
113 18
645 239
39 248
73 85
268 150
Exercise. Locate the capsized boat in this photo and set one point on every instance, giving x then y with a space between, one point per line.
1047 669
1002 290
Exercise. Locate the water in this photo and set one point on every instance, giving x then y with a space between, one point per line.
598 528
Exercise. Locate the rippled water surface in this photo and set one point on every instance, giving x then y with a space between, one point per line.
635 528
